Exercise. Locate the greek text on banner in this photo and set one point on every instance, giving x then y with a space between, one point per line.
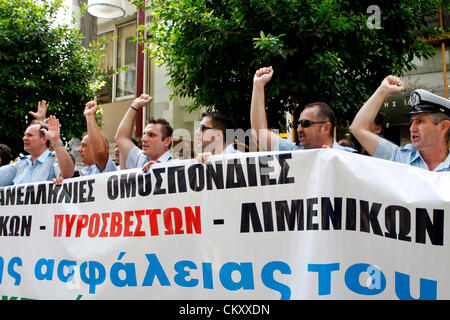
316 224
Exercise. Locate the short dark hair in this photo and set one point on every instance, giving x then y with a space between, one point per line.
166 128
379 119
324 113
220 121
5 154
41 134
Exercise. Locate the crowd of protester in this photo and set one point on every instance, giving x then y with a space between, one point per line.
48 158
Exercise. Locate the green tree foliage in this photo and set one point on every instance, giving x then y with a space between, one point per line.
321 50
40 60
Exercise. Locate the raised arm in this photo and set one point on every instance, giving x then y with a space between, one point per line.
41 112
125 129
258 118
360 126
97 141
64 161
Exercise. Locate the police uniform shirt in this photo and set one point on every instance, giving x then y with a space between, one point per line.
408 155
110 166
44 168
137 159
286 145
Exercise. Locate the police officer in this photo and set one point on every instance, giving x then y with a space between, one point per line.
430 125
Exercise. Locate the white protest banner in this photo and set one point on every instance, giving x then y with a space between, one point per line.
317 224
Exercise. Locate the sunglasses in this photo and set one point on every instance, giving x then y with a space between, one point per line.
305 123
203 128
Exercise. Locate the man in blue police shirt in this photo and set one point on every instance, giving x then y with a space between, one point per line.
94 150
214 136
156 139
429 131
40 164
315 125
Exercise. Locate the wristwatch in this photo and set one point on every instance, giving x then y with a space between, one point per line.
59 144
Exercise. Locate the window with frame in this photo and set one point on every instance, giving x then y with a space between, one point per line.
119 61
126 60
104 95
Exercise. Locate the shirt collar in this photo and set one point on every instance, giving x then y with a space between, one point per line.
165 157
444 164
416 155
88 170
42 157
229 149
337 146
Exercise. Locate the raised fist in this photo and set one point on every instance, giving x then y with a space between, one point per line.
142 101
263 76
393 84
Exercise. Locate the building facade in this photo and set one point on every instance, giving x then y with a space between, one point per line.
120 62
120 89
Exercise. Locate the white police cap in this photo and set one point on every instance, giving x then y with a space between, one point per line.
423 101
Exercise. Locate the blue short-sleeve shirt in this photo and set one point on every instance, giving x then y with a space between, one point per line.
408 155
110 166
137 159
44 168
286 145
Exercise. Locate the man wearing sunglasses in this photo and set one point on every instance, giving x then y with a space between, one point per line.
429 131
315 126
211 134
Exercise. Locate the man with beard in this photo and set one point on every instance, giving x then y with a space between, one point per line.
315 125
